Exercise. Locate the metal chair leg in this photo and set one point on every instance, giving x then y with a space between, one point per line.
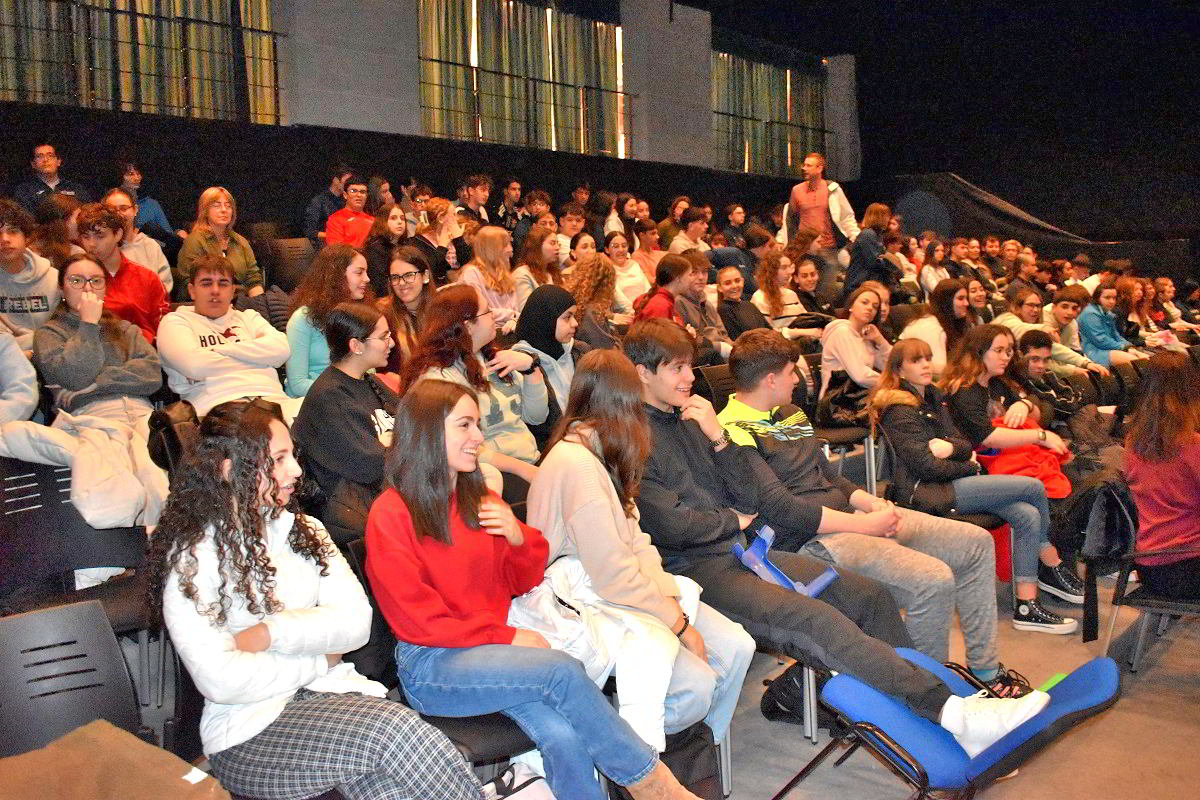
1112 626
144 679
1143 629
810 703
725 753
808 769
1163 621
869 463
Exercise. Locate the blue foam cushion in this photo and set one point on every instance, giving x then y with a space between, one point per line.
1085 690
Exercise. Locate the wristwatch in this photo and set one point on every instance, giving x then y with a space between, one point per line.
1041 434
532 366
724 440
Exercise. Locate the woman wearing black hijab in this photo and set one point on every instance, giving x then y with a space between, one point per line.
546 331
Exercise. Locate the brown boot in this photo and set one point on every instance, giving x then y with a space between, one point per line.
660 784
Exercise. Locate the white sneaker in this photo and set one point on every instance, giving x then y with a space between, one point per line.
979 721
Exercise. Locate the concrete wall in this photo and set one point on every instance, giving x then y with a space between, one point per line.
351 64
667 64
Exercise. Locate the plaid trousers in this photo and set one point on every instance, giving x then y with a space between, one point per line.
365 747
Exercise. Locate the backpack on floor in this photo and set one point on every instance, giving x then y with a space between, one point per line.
518 782
691 755
783 699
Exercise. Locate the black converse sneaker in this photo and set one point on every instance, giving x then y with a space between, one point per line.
1009 683
1062 582
1031 616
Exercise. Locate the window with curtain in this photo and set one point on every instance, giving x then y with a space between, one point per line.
522 73
766 117
212 59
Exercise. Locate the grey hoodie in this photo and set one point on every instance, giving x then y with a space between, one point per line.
80 364
28 298
18 382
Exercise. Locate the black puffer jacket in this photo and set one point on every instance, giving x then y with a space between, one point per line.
920 479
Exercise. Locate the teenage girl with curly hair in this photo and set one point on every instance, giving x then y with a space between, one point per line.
260 605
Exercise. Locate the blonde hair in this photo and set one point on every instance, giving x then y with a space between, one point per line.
209 196
490 259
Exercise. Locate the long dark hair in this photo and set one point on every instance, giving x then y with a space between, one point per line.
444 339
416 465
1166 414
606 398
404 322
324 284
965 365
205 502
941 305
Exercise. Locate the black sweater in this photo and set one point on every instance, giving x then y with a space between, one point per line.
338 428
920 479
689 491
740 316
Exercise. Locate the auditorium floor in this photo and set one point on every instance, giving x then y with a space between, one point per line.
1147 746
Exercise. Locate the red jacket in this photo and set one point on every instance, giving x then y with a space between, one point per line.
441 595
136 295
348 227
658 302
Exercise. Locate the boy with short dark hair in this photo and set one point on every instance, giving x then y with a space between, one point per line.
28 283
698 496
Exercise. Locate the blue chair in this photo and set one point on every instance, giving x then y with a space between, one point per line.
927 756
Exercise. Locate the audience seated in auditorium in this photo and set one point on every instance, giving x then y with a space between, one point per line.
1025 310
352 223
820 205
1102 343
150 219
455 345
698 496
212 234
136 246
648 252
1178 316
440 239
18 381
134 293
338 274
345 422
631 280
538 264
324 204
213 353
593 284
930 564
1024 271
45 163
414 214
693 225
28 283
738 315
692 306
758 244
537 203
546 331
379 194
949 317
388 232
623 215
734 224
980 299
445 557
935 269
473 206
1061 316
259 606
96 363
489 274
1161 461
991 412
1132 312
571 220
776 299
681 649
410 290
673 275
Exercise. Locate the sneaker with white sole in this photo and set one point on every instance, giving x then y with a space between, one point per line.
978 721
1062 582
1033 616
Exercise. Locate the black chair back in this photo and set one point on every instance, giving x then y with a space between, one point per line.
718 384
61 668
377 658
291 258
1130 381
1088 391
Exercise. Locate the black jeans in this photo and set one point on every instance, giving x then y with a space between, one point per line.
853 627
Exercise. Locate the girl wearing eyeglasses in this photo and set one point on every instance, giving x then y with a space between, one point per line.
98 364
345 422
409 292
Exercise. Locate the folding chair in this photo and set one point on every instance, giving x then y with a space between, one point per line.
926 756
1156 609
841 440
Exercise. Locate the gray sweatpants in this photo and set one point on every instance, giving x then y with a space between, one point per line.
932 566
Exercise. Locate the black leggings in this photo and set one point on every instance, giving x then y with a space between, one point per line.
1179 580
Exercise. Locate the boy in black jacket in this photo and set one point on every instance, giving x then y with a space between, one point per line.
697 498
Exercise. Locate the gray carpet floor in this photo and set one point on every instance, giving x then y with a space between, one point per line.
1147 746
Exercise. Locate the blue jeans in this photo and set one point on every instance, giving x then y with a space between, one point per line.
709 691
1018 500
547 693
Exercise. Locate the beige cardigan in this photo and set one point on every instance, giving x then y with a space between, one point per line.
573 502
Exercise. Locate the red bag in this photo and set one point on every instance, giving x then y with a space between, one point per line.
1030 460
